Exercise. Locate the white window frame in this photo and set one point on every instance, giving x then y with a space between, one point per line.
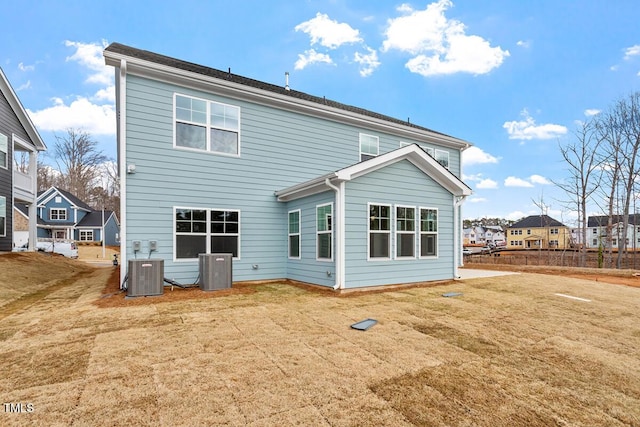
207 234
328 224
208 126
58 210
440 153
4 148
369 232
377 139
298 234
3 216
85 234
436 233
399 232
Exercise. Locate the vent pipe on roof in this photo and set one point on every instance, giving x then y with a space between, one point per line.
286 79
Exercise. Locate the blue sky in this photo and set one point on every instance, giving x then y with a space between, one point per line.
511 77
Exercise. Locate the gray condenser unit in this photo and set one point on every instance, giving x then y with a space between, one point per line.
215 271
145 277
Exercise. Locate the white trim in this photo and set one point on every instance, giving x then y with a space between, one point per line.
207 234
4 217
6 154
368 219
207 125
86 232
397 232
121 80
229 88
437 151
329 232
429 150
299 234
436 233
20 112
58 210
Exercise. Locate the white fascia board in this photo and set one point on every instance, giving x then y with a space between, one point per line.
304 189
20 112
153 70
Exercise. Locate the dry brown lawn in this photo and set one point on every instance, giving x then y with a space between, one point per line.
509 351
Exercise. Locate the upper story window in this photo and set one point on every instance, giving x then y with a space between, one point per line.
428 150
3 216
369 146
58 214
207 125
4 151
442 157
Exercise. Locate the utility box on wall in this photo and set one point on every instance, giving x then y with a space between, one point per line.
145 277
215 271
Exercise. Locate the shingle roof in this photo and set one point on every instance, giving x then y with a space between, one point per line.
537 221
94 219
72 198
227 75
603 220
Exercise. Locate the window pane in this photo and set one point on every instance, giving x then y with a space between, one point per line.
324 218
191 136
294 246
3 215
223 141
3 227
379 245
324 245
231 227
217 227
190 246
183 214
199 215
224 245
294 222
379 218
405 245
428 244
183 226
199 227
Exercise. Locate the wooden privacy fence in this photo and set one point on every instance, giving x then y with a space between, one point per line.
557 258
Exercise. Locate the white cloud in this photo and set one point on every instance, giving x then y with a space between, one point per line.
524 44
516 215
368 61
327 32
538 179
591 112
476 200
311 57
439 45
23 67
474 156
487 184
527 129
512 181
93 114
24 86
89 55
632 51
79 114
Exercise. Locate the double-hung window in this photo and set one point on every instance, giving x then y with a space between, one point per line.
379 231
294 234
324 231
428 232
205 231
207 125
86 235
3 216
442 157
405 232
58 214
369 146
4 151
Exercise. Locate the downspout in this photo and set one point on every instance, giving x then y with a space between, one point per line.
121 139
457 202
339 233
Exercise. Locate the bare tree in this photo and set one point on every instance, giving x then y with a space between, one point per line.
583 163
79 161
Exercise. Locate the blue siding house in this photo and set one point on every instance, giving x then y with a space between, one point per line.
294 186
62 216
18 137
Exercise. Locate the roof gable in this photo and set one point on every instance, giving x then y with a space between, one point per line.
46 196
20 112
412 153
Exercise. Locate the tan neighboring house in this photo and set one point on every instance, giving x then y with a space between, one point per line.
538 232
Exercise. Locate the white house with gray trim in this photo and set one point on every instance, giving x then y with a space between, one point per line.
294 186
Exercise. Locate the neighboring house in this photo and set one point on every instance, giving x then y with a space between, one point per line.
62 216
494 234
484 235
538 232
19 139
469 236
597 231
292 185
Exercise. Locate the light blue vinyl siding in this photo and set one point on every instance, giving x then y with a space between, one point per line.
278 149
399 184
308 268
